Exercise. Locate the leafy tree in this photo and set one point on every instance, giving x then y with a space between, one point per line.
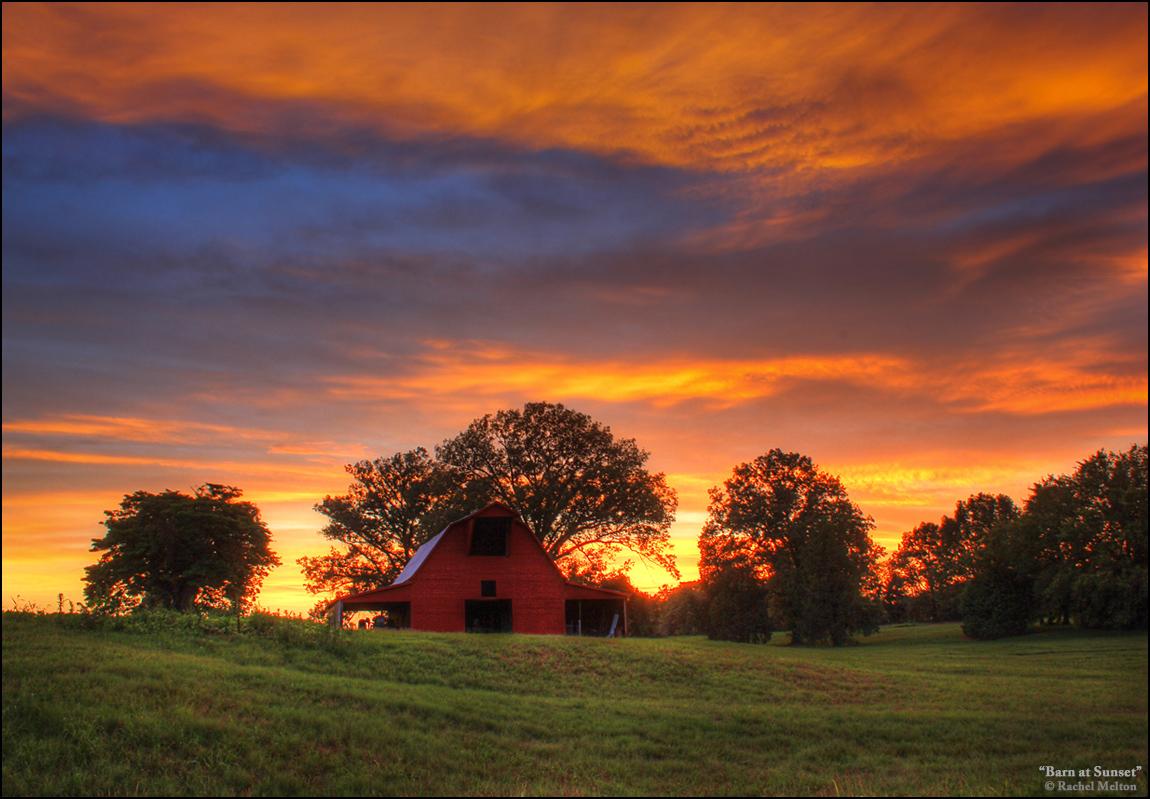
392 507
793 527
1057 547
895 594
1077 552
682 610
934 561
586 494
997 601
1090 534
923 574
737 606
176 551
964 536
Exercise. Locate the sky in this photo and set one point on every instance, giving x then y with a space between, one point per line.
250 244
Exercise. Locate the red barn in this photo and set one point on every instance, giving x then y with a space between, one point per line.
487 572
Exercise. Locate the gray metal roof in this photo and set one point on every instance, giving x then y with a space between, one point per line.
420 556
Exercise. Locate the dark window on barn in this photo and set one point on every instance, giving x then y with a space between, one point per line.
487 588
489 536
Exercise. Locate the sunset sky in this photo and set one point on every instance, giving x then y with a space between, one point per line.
250 244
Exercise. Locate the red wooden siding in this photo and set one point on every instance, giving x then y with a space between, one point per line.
449 576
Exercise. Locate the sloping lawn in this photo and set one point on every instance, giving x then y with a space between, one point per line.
291 709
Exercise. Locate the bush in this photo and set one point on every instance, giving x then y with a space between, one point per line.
996 604
736 607
292 633
683 610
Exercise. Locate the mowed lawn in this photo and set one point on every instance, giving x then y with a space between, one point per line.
913 709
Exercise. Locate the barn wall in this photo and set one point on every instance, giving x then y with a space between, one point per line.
449 577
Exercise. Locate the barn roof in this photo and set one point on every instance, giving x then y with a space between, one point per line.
420 555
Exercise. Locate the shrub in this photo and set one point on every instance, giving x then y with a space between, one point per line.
997 603
736 607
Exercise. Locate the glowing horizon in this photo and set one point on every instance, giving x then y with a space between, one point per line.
250 244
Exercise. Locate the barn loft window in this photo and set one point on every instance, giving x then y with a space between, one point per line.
489 535
487 588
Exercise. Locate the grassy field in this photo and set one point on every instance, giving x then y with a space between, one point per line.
291 710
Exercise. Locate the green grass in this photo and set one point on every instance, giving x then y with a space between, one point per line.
914 709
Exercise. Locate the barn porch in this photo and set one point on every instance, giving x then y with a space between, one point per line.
395 615
605 618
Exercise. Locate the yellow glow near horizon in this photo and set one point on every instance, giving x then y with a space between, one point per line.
897 495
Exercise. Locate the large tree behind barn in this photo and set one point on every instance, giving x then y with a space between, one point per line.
585 493
392 507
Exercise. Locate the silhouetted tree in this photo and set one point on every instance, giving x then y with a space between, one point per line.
176 551
924 575
586 494
998 600
965 534
681 610
392 506
934 561
793 527
737 605
1078 552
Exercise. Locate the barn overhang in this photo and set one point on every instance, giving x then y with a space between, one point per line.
594 611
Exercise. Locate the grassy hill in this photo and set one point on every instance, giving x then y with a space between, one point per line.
285 708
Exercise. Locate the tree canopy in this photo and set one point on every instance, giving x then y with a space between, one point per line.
1089 535
997 597
1077 552
393 505
179 551
934 562
585 493
794 528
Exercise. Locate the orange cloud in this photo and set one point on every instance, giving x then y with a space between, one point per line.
12 453
74 428
1081 375
165 431
735 87
480 369
1009 381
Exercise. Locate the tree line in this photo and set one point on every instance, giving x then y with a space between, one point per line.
783 547
1076 552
